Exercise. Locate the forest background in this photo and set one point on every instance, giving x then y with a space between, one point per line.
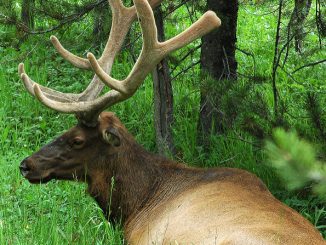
250 95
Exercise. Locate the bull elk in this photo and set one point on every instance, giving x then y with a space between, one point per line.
159 201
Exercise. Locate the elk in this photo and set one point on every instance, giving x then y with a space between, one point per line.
158 201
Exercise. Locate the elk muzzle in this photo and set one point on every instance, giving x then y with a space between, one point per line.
31 173
24 168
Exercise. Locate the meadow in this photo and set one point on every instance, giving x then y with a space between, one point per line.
62 212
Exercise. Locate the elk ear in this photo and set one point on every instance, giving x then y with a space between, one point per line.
111 136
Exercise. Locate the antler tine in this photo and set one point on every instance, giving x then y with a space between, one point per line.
70 107
105 77
206 23
86 111
118 8
149 31
153 51
147 23
122 19
55 95
73 59
121 16
125 16
107 58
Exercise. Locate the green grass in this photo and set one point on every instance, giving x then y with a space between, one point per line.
55 213
62 212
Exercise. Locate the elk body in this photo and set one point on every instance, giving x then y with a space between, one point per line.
158 200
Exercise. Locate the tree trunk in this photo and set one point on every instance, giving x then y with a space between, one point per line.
218 62
320 20
27 13
298 17
163 98
101 22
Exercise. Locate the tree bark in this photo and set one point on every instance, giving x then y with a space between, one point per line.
27 13
218 62
298 17
163 98
101 22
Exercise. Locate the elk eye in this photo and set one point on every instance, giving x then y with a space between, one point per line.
77 142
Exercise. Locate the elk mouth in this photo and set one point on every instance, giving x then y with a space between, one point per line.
34 177
41 176
39 180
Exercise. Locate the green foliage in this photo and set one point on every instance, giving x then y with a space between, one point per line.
295 161
30 17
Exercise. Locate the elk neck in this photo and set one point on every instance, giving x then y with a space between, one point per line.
126 181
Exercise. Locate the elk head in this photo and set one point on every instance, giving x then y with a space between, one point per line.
75 153
78 152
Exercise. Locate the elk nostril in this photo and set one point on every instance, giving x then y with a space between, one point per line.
24 169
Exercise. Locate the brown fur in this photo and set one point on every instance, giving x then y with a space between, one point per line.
162 202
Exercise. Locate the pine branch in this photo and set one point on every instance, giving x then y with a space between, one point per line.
308 65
